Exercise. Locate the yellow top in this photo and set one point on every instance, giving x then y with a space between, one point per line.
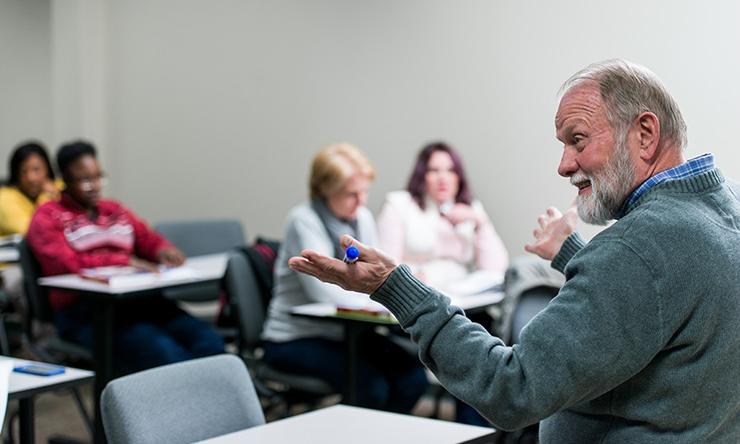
16 209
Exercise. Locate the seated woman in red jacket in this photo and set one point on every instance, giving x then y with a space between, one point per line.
82 230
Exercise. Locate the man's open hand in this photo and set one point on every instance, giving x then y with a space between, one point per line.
365 276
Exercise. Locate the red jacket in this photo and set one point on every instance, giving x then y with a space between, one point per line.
65 240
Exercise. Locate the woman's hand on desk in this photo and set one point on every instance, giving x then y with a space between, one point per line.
171 257
365 276
143 264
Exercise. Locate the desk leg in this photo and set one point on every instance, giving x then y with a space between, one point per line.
351 335
25 419
102 357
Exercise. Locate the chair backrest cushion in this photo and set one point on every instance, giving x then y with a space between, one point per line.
207 236
37 297
184 402
241 284
261 257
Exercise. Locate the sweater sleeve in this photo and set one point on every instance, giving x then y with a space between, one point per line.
53 252
572 245
13 218
600 330
147 242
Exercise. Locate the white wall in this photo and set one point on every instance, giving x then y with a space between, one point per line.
216 108
25 74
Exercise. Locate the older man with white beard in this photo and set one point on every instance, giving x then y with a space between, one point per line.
641 343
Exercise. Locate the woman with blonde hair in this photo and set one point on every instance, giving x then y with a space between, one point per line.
388 377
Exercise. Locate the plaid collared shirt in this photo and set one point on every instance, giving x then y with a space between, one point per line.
693 167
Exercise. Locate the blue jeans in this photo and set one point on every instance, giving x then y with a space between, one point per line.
147 333
388 378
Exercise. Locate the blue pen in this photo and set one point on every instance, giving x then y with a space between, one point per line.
351 254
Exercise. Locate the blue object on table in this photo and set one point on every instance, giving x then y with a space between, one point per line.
40 369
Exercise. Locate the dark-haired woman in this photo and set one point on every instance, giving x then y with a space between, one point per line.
30 183
437 228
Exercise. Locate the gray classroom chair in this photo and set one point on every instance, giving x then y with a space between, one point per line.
183 402
196 238
241 283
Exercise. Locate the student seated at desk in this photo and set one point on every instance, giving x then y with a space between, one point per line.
388 377
30 184
82 230
444 234
436 226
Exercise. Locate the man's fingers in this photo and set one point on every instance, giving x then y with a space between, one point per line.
542 220
348 240
301 264
553 212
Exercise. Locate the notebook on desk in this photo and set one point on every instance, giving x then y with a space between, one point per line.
366 309
125 276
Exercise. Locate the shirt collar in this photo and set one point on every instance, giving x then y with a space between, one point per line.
691 168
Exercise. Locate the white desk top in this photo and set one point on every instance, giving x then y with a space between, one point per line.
341 424
325 309
205 268
9 254
22 382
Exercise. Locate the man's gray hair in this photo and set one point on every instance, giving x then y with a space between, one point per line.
629 89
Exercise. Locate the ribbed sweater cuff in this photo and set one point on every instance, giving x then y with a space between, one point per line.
402 293
571 246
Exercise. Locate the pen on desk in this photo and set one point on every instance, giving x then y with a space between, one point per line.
351 254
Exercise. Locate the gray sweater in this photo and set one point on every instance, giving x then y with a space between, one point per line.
640 345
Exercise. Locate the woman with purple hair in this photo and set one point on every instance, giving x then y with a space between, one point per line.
438 228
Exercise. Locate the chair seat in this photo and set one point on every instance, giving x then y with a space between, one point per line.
307 384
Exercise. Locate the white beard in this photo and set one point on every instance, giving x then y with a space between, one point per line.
609 187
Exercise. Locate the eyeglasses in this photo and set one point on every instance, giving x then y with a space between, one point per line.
86 183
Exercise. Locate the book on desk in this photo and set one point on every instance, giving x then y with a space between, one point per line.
365 309
117 276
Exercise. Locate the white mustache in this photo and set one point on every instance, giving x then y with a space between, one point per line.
578 178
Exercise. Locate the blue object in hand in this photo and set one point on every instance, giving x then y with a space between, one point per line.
351 254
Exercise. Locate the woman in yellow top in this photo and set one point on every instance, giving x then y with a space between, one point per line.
31 183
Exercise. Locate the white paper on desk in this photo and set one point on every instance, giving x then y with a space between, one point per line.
6 366
178 274
364 304
476 282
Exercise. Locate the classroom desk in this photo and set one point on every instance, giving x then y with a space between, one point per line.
342 424
354 325
9 254
24 387
209 268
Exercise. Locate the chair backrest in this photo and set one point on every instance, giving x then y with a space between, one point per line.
184 402
261 256
198 237
241 284
37 297
205 236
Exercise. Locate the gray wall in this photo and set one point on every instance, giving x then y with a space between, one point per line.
25 74
216 108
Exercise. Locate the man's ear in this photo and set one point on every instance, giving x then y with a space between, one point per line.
648 134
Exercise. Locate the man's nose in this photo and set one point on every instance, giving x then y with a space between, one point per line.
568 165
